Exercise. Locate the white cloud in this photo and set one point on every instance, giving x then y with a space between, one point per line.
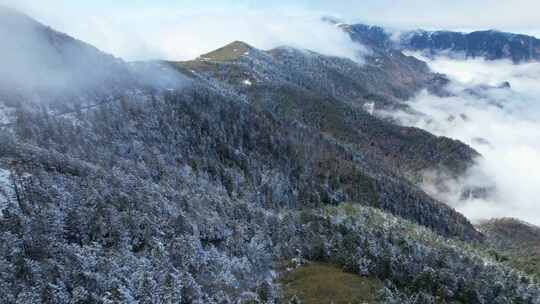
502 124
195 35
185 29
174 33
6 190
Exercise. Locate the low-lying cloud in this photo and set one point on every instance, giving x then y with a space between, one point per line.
190 36
33 57
183 33
38 61
501 122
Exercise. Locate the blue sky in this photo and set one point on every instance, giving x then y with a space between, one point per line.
183 29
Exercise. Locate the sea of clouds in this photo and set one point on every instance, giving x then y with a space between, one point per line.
495 108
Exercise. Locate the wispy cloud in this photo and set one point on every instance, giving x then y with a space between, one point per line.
173 32
136 29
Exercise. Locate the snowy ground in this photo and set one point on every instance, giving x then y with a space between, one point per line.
6 191
6 114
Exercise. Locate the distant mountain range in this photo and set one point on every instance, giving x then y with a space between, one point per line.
213 180
489 44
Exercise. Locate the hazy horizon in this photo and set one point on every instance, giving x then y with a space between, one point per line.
181 30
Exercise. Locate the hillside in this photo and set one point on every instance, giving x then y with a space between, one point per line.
517 242
201 192
293 87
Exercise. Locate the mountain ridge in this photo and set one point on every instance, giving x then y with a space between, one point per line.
488 44
198 193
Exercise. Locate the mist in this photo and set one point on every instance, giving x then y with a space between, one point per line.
495 108
42 65
183 32
35 57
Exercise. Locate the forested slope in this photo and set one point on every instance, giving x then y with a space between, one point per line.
197 189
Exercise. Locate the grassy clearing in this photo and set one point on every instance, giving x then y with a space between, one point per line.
320 283
229 52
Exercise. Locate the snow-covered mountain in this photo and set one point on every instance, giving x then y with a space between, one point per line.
489 44
120 185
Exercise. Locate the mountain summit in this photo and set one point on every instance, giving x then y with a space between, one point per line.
232 51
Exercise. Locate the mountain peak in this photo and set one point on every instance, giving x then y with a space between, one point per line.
230 52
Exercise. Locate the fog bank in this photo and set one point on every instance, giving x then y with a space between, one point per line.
176 32
496 110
